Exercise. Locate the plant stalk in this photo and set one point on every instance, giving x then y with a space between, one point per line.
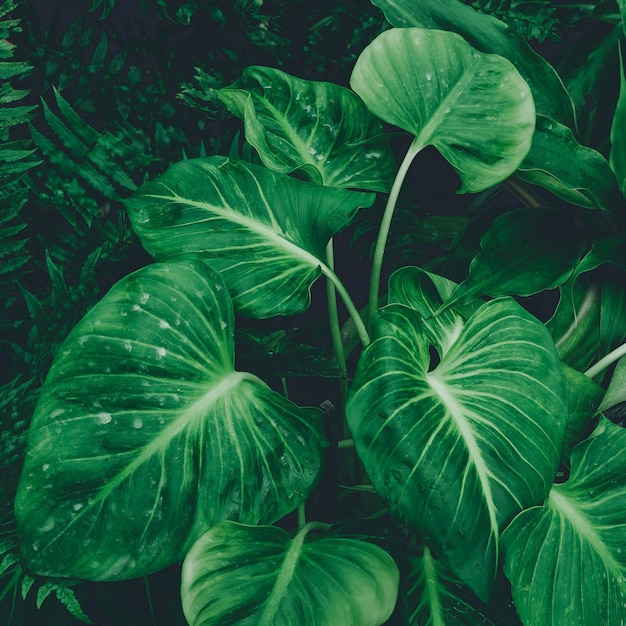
604 362
335 328
385 225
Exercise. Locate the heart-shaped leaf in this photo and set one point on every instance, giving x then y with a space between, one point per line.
486 33
571 171
266 233
145 436
322 130
458 450
566 560
473 107
244 575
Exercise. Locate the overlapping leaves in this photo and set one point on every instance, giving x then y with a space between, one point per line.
575 542
321 130
145 436
264 232
460 448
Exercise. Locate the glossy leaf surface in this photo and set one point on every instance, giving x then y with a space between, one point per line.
245 575
458 450
571 171
321 130
575 541
617 158
145 436
490 35
264 232
475 108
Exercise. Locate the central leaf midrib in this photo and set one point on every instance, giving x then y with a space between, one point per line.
190 413
456 412
250 224
583 526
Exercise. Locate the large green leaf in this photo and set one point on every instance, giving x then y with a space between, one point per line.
488 34
145 436
322 130
266 233
566 560
475 108
458 450
523 252
573 172
257 575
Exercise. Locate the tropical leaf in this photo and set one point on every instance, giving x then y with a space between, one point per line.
573 172
475 108
459 448
321 130
575 541
145 436
264 232
488 34
523 252
240 575
617 158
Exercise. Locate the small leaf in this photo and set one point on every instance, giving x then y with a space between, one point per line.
459 449
473 107
575 173
238 575
524 252
65 595
321 130
575 542
145 436
266 233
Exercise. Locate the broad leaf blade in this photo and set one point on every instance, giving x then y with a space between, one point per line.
523 252
488 34
566 560
473 107
322 130
264 232
571 171
145 436
436 598
457 451
244 575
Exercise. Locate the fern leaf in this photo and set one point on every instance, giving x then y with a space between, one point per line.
65 595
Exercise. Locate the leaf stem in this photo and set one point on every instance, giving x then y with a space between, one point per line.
301 516
335 328
347 301
604 362
385 225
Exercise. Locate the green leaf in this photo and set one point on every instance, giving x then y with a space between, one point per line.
436 598
573 172
238 575
583 399
616 391
266 233
321 130
473 107
617 157
490 35
566 560
458 450
145 436
523 252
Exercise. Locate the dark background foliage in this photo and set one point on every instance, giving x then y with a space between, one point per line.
100 97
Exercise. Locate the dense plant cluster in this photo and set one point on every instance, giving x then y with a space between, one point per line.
262 364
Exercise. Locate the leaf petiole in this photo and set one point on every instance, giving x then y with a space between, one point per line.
606 361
